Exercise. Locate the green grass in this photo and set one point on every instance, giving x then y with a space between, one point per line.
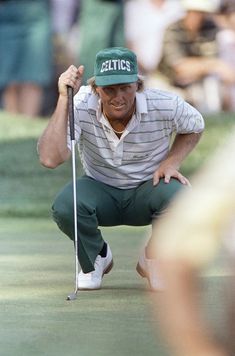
37 274
36 267
27 189
217 129
37 264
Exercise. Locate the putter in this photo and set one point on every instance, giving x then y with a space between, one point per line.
73 295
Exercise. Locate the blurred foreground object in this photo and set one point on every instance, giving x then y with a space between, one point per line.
207 213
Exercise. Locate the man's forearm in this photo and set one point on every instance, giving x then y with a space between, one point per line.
190 69
183 144
169 168
52 145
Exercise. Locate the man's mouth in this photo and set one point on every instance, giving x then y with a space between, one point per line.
118 107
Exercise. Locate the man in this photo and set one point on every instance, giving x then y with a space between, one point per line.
190 59
146 20
131 173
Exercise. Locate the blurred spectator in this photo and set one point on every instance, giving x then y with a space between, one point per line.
64 14
65 36
190 57
145 23
226 43
26 54
100 26
185 250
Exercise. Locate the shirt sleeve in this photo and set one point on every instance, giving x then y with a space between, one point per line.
186 119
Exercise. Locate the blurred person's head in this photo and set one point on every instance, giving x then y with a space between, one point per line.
158 3
227 7
227 14
196 11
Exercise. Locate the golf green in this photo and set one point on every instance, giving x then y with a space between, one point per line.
37 263
37 273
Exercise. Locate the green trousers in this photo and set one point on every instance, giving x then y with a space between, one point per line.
99 204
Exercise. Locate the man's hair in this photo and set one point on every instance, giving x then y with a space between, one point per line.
226 7
140 83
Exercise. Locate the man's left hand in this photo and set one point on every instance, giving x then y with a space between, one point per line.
167 172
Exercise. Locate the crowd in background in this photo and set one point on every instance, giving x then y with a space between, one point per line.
186 46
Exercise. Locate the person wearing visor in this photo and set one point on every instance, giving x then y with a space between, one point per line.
124 137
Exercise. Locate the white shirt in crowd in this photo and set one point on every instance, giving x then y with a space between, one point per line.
145 24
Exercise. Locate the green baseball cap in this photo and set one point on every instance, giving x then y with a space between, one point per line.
115 65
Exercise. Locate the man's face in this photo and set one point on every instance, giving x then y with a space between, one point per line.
194 20
118 100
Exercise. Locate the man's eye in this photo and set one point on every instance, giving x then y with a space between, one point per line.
108 90
126 87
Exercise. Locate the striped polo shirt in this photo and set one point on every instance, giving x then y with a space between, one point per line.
132 159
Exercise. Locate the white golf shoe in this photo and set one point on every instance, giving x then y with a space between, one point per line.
148 268
93 280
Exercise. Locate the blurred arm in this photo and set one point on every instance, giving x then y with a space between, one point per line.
187 238
191 69
184 320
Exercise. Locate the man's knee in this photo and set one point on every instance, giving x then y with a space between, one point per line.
62 210
167 191
172 188
62 214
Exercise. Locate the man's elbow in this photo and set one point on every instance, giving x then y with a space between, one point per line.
52 161
48 162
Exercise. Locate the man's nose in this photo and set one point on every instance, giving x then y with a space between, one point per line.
118 94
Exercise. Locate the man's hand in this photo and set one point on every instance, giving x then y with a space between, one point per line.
71 77
168 171
169 168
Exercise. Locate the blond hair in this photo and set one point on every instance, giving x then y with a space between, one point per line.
140 83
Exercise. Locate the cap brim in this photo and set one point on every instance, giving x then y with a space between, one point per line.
102 81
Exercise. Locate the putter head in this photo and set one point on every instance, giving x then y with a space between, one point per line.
72 296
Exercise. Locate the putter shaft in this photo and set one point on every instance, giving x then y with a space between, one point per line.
73 295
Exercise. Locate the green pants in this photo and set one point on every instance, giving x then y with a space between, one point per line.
99 204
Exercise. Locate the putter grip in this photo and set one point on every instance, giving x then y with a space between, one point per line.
71 112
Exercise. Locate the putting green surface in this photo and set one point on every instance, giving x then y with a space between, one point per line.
37 263
37 273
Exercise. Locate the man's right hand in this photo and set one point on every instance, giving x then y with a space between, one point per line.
71 77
